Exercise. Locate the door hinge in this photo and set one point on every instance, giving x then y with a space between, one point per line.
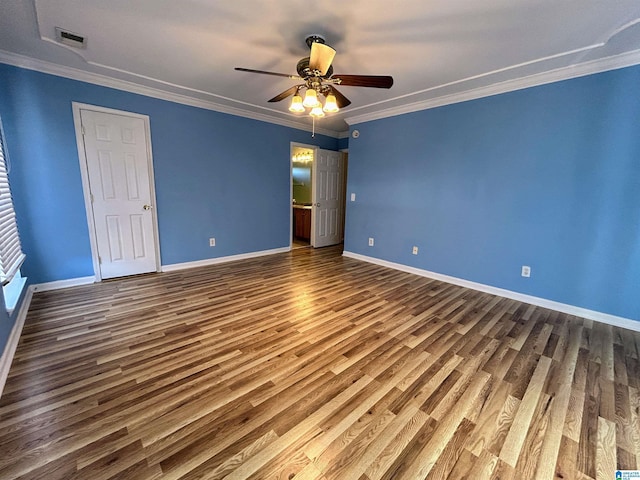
91 197
82 129
99 259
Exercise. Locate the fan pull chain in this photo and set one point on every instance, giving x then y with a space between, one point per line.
313 127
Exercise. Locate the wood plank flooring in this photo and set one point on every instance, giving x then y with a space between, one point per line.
309 365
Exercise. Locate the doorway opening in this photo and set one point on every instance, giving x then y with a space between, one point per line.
302 158
318 191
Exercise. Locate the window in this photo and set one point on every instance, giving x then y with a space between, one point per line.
11 256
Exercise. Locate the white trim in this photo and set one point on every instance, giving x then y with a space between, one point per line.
230 258
615 62
14 338
84 173
58 284
344 134
131 87
13 291
74 282
627 323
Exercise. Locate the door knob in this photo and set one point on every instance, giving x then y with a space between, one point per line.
146 207
317 204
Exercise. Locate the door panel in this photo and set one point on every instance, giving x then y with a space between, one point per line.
133 180
137 234
327 197
118 166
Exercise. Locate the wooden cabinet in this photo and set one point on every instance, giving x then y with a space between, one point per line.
302 223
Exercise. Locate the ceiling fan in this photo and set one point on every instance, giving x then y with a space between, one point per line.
316 73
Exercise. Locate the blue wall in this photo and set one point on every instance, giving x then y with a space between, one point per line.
547 177
205 162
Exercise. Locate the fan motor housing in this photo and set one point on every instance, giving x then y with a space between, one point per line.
314 38
303 69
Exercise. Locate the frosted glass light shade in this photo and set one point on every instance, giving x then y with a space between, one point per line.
317 112
330 105
310 99
296 104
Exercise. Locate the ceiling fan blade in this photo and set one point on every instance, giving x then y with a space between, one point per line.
341 100
288 92
321 57
286 75
375 81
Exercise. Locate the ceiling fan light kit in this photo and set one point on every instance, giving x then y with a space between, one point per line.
318 78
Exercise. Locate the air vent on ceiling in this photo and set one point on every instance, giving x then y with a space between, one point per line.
69 38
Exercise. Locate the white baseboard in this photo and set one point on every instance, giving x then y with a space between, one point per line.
74 282
231 258
58 284
627 323
14 338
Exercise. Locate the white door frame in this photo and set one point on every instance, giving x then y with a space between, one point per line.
313 226
84 173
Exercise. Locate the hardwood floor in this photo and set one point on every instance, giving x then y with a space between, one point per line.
309 365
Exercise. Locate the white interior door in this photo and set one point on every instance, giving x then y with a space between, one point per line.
327 197
118 165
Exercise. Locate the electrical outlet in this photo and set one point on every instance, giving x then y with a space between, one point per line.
371 241
212 242
415 250
526 271
353 197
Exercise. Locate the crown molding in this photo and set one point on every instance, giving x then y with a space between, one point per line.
131 87
565 73
615 62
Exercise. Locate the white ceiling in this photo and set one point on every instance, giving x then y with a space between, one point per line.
438 51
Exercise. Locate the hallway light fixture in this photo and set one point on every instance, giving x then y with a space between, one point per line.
303 157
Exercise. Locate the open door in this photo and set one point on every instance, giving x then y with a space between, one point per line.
328 192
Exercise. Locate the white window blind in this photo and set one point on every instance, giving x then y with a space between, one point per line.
11 256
